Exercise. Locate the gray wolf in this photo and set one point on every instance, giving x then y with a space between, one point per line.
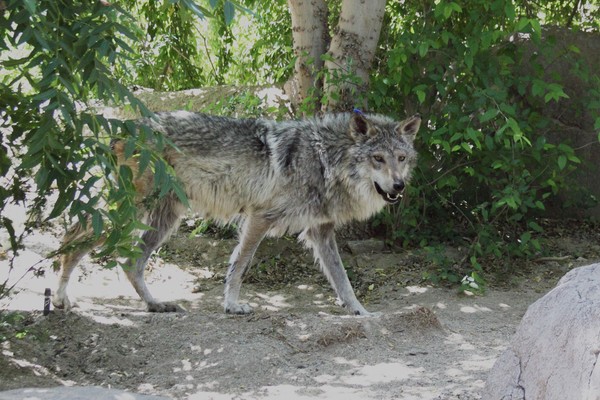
275 178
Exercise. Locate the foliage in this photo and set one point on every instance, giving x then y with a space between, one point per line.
487 166
53 141
182 51
165 57
266 57
246 104
13 325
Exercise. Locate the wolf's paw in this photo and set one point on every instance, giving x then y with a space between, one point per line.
62 303
360 311
239 309
369 314
164 307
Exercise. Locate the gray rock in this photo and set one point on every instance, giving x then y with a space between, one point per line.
74 393
367 246
554 353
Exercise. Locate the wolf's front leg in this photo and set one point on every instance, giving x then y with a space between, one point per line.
322 241
253 231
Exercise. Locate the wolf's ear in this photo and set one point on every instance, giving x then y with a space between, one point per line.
409 127
360 127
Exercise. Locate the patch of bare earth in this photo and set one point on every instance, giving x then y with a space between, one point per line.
425 342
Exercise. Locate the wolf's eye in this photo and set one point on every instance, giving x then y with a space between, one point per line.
401 158
378 158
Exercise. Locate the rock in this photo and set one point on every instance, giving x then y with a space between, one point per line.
367 246
74 393
554 353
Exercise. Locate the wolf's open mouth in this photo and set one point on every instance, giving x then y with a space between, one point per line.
390 198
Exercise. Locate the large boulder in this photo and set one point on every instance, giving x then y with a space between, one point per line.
554 353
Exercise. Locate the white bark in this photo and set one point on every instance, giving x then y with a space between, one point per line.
310 37
352 50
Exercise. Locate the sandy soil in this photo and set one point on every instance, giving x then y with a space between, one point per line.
427 343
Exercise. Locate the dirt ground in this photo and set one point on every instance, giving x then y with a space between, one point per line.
427 342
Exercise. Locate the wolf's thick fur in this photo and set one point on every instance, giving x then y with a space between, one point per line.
276 177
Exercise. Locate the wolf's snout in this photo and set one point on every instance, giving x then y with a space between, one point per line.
394 195
399 186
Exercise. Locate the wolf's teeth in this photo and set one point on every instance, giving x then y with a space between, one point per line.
392 198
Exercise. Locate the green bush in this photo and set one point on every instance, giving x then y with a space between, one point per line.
486 167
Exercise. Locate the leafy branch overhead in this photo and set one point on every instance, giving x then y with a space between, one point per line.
51 131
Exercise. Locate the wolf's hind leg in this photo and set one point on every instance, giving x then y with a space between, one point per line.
78 241
164 219
253 231
322 241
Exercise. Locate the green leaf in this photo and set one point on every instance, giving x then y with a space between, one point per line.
31 6
456 136
508 109
144 160
534 225
97 223
14 62
180 193
536 27
525 237
45 95
7 224
509 11
420 91
68 85
446 36
327 57
41 178
555 92
229 11
447 11
488 115
423 48
562 162
489 142
455 7
64 199
522 23
42 40
469 60
538 87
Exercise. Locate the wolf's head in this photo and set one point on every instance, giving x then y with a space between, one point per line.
385 154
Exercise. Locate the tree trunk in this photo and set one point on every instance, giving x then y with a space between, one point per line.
310 36
351 53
